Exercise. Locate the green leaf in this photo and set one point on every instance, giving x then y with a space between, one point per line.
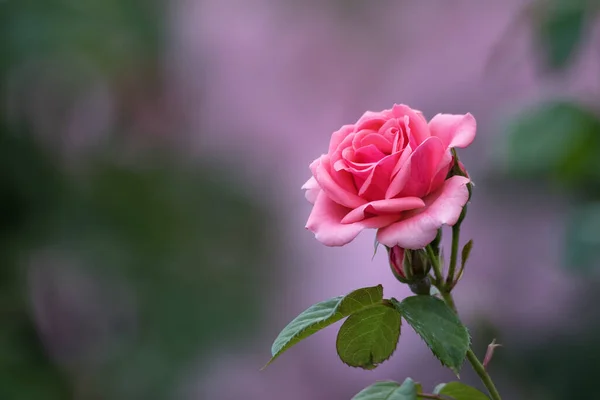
323 314
460 391
369 337
388 390
558 140
438 326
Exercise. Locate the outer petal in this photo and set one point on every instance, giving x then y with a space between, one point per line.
338 137
321 172
442 172
415 176
454 130
419 228
325 222
312 189
383 207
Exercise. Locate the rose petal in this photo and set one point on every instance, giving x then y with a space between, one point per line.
419 128
372 120
377 140
378 180
383 207
325 222
338 137
336 155
454 130
416 174
312 189
442 173
418 228
368 154
320 169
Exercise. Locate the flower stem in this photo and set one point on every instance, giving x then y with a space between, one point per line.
483 375
435 263
475 363
453 256
445 291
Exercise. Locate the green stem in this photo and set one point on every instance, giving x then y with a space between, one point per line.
485 377
453 256
449 300
475 363
445 291
437 269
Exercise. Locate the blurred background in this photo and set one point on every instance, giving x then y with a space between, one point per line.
152 240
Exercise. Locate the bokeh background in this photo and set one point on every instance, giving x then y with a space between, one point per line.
152 239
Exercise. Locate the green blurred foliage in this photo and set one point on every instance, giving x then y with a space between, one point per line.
561 26
111 34
558 141
174 253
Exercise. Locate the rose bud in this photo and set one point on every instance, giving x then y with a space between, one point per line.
409 266
396 257
416 264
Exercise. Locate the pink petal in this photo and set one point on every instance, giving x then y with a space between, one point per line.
442 173
417 173
321 171
368 154
325 222
406 153
454 130
419 228
373 120
312 189
390 130
338 137
378 180
419 129
383 207
346 143
377 140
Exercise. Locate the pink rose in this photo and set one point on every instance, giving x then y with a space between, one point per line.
388 172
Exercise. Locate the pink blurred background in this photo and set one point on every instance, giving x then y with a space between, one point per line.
252 91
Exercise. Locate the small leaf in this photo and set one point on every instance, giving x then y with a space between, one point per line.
369 337
439 327
388 390
466 252
376 246
460 391
323 314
